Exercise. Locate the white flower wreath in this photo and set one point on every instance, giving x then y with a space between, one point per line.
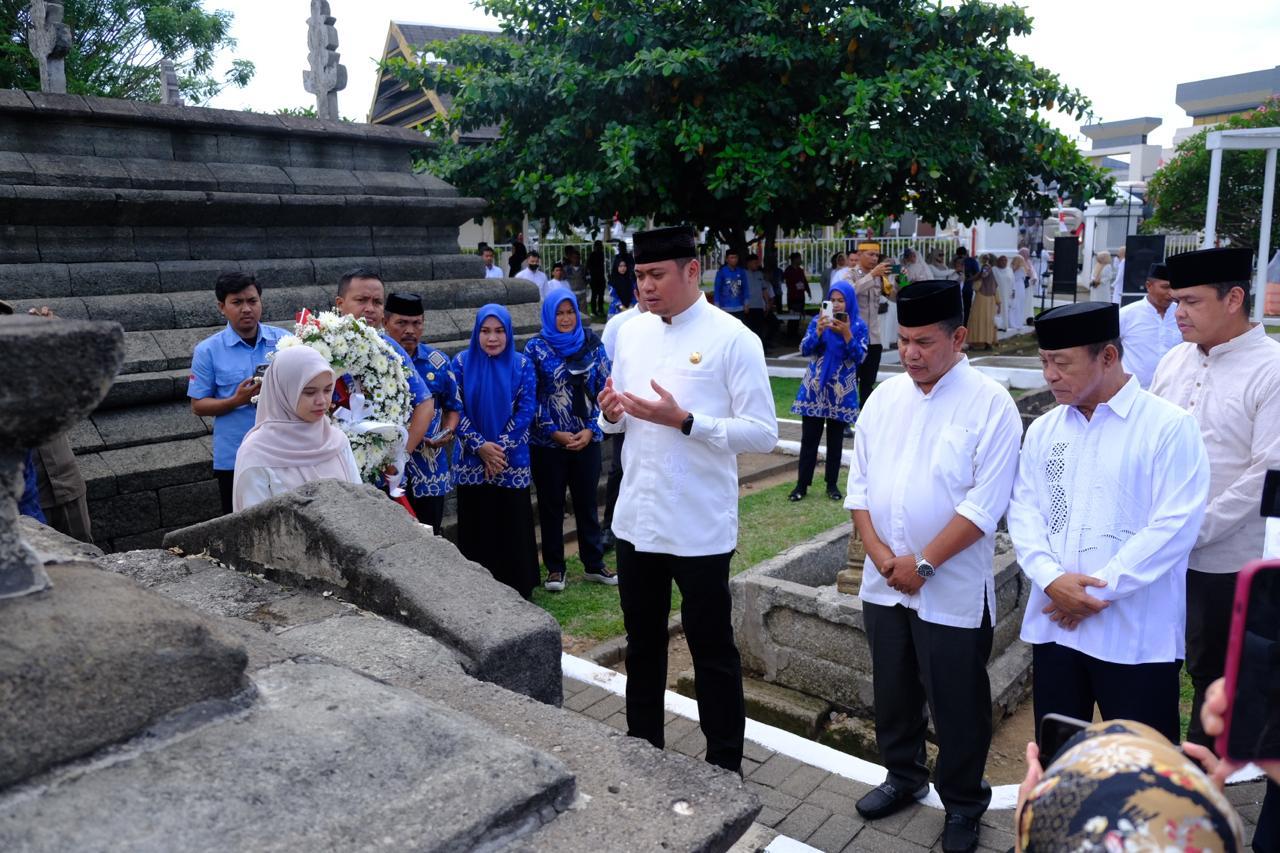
374 369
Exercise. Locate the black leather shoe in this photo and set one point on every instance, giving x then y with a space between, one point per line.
960 834
886 800
834 493
796 495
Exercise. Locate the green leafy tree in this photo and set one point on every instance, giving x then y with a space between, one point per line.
1179 190
752 113
117 46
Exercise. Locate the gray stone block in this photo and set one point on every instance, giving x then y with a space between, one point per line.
194 146
34 281
104 279
52 546
122 515
196 310
406 268
178 344
250 178
14 169
320 154
149 387
433 186
84 243
279 759
147 424
317 181
289 241
146 540
343 535
526 317
223 242
389 183
99 479
136 312
15 100
329 270
519 290
84 437
441 326
142 353
68 308
18 244
401 240
94 661
150 467
253 150
340 241
282 272
168 175
161 243
73 171
178 276
118 141
280 304
29 136
190 503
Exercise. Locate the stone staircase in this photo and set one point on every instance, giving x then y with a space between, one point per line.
124 211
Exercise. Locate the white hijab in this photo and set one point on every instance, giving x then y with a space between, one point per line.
298 451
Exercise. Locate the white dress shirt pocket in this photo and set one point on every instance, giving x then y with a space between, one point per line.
955 455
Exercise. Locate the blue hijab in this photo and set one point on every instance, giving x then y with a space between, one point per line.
833 343
564 343
489 382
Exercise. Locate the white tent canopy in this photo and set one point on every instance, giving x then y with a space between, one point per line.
1246 139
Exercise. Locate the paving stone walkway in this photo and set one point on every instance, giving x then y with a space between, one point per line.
816 807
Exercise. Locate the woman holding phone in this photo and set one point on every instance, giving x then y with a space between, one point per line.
564 446
835 344
495 516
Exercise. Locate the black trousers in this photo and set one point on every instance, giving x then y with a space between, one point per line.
810 435
644 589
868 369
614 483
1266 837
1209 601
597 296
429 510
495 529
1065 681
226 480
915 662
553 469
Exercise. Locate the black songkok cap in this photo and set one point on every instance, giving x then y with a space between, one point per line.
1210 266
1078 325
923 303
665 244
1160 271
404 304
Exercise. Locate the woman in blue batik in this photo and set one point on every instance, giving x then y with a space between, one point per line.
835 345
565 446
499 397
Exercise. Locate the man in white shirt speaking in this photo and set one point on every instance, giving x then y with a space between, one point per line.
1149 327
1227 375
1110 494
935 452
691 391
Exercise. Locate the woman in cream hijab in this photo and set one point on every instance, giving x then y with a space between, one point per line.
292 441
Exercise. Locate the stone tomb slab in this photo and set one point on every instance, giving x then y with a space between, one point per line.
281 776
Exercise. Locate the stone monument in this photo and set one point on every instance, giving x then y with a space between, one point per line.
326 76
170 93
49 40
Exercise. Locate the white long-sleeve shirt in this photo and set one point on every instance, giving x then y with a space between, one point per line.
1120 497
679 493
919 460
1146 337
255 485
1233 392
609 337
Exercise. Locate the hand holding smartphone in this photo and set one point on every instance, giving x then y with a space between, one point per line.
1055 731
1252 721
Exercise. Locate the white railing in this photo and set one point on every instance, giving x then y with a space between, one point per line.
1176 244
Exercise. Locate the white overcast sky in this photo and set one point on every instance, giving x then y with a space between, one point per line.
1127 55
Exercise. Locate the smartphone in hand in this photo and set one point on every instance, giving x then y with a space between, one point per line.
1252 731
1055 731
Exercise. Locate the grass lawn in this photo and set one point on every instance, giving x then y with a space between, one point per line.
784 394
767 525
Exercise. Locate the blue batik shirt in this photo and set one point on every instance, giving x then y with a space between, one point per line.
555 402
218 366
731 289
417 388
430 469
838 401
514 439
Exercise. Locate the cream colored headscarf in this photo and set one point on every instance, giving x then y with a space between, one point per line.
298 451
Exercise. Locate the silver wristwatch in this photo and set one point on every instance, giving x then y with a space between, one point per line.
923 567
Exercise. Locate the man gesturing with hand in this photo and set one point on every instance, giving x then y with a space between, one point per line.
1106 507
691 391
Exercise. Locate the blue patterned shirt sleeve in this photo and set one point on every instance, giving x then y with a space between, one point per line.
555 405
838 401
430 469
